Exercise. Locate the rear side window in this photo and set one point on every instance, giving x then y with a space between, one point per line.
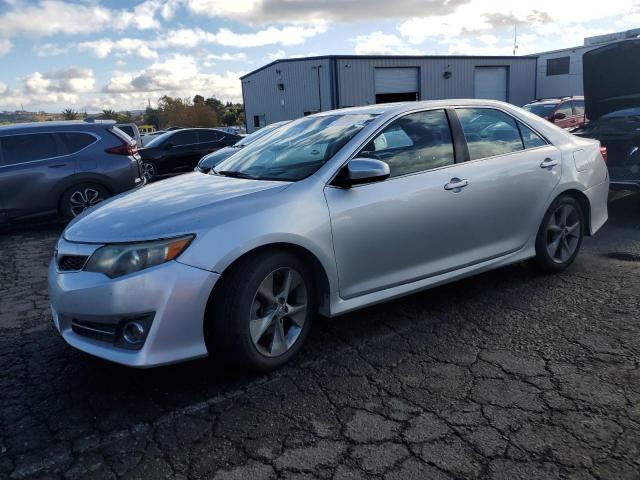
184 137
76 141
565 107
489 132
210 135
530 138
26 148
413 143
578 107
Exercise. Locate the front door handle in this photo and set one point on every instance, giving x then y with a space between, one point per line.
549 163
456 184
58 165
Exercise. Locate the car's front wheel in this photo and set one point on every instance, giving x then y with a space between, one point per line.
560 235
262 312
80 197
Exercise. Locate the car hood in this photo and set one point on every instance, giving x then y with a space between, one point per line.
216 157
168 208
611 79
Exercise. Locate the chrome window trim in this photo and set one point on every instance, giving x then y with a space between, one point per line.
56 132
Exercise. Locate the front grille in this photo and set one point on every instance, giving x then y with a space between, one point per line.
71 263
99 331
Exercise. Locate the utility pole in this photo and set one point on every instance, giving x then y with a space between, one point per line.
515 39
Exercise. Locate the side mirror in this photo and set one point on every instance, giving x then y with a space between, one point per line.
362 170
559 116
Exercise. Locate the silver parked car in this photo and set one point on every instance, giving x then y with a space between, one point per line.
330 213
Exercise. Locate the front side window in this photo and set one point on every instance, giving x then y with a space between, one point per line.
26 148
489 132
414 143
296 150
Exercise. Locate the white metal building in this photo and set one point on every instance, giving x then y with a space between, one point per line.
287 89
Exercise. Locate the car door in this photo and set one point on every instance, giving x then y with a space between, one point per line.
209 141
181 151
33 166
406 227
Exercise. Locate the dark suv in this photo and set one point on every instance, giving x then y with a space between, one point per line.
566 112
63 167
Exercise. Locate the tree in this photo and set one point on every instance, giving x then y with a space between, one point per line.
198 99
108 114
69 114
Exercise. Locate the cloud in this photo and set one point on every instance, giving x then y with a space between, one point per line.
50 50
378 43
144 15
49 17
5 46
3 88
123 47
178 75
70 80
265 11
478 17
290 35
227 57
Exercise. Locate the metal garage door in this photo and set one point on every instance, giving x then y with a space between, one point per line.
396 80
491 83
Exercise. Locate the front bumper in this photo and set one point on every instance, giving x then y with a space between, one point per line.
174 294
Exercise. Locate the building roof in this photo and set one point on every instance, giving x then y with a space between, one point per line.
386 57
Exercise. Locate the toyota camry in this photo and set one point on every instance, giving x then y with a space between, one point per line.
332 212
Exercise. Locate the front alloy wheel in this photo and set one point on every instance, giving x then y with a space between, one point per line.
278 312
149 171
260 314
81 197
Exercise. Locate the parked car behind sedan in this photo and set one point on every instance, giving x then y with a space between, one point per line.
566 112
330 213
63 167
208 162
178 151
131 129
612 92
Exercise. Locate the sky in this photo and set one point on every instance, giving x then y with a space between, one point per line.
97 54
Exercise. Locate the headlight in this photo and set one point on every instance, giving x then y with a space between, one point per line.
121 259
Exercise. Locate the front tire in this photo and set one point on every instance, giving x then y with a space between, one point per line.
560 235
80 197
149 170
261 314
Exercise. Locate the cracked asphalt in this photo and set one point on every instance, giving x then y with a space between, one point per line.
507 375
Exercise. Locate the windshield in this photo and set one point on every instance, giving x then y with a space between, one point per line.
296 150
157 140
541 109
252 137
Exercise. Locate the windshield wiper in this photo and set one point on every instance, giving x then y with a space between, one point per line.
234 174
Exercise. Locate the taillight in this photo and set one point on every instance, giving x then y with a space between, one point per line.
603 152
125 148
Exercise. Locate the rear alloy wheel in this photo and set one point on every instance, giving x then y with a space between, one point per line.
149 171
81 197
560 236
261 312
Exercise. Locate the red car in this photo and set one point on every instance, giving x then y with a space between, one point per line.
566 112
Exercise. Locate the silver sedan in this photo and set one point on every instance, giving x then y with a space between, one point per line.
333 212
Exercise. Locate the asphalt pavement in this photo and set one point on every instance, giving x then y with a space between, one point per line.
507 375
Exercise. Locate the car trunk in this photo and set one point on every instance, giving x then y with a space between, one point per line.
611 87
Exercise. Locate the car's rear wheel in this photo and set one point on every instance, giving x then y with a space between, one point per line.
149 170
81 197
262 312
560 235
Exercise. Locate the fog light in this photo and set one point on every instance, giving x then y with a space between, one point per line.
133 332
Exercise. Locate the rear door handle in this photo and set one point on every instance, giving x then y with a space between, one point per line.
549 163
456 184
58 165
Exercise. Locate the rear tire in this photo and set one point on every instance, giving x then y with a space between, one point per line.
80 197
260 315
149 170
560 235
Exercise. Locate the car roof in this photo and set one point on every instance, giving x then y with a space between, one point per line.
57 125
392 108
